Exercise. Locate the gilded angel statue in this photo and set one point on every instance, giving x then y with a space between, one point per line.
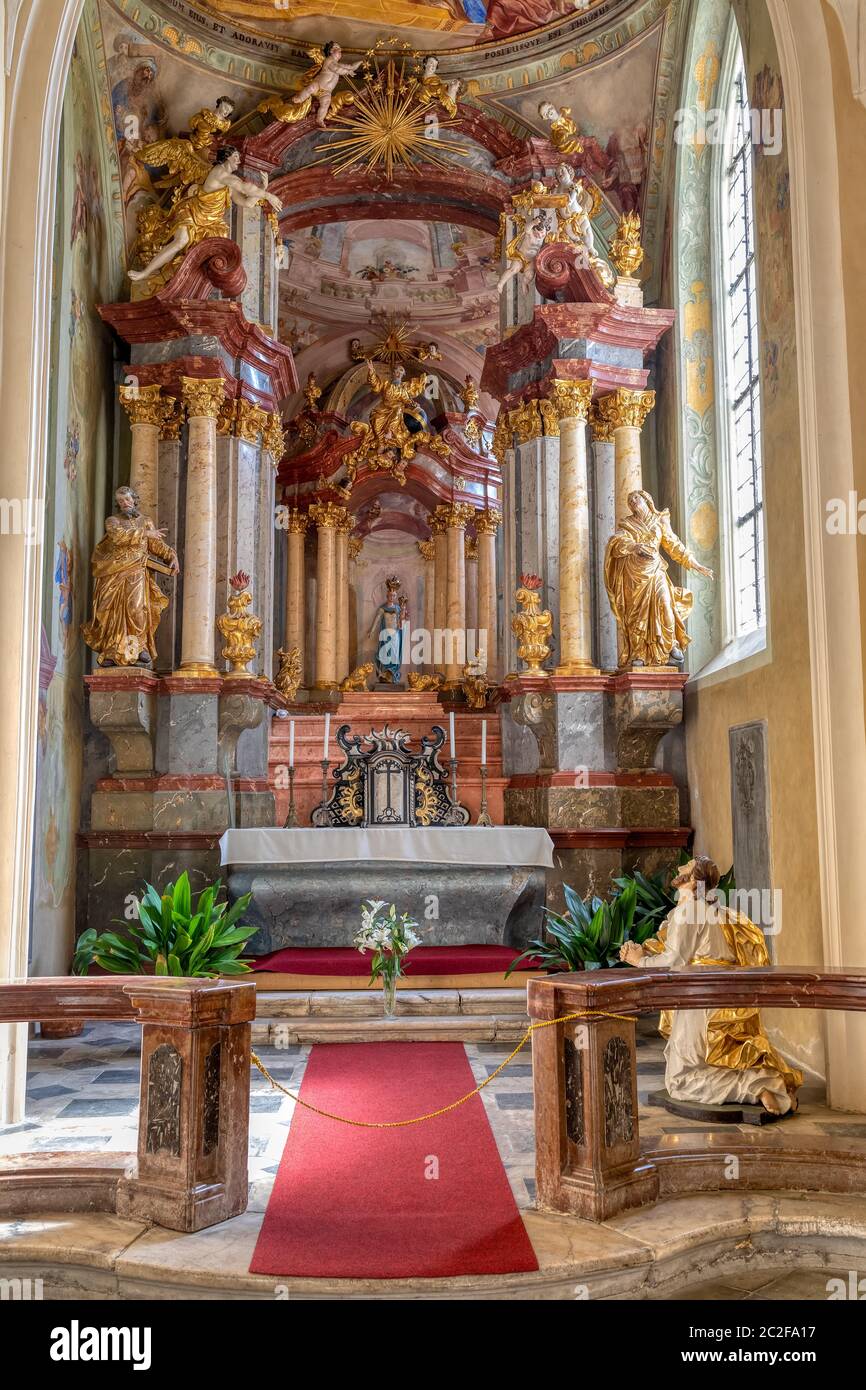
564 135
432 88
319 85
198 211
387 442
188 160
524 246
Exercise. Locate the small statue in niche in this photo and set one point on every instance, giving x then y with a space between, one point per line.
564 135
469 395
650 610
289 673
524 246
388 624
312 393
198 213
574 220
433 88
319 86
357 679
723 1056
127 601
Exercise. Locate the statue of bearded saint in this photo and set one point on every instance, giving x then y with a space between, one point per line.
127 601
387 442
650 610
722 1056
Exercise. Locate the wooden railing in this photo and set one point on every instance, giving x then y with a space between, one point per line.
190 1170
589 1157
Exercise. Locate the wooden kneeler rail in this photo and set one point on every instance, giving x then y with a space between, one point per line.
190 1170
589 1157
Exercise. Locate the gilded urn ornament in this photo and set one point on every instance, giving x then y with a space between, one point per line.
127 601
533 626
626 251
239 628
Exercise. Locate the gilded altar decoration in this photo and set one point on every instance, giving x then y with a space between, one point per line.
127 601
312 393
289 673
419 680
533 626
387 443
317 85
624 407
530 230
187 160
570 398
145 405
391 784
273 437
487 523
357 679
394 346
475 686
388 126
650 610
580 203
626 251
564 135
199 201
470 394
433 89
239 628
526 421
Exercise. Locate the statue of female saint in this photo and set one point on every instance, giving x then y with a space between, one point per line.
127 601
200 212
650 610
388 622
574 220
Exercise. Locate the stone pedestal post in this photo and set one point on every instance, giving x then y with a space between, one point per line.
296 530
202 398
486 524
147 409
327 516
604 525
428 555
341 572
625 411
571 399
456 518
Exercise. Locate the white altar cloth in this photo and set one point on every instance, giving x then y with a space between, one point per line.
512 845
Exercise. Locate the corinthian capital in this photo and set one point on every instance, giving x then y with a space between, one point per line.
203 396
571 399
624 407
427 549
329 516
458 515
602 429
144 404
487 523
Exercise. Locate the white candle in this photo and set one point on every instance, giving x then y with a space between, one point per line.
451 732
484 743
327 734
292 744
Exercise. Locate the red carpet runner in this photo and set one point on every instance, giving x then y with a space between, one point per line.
366 1203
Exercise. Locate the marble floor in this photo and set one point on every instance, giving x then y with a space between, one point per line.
83 1094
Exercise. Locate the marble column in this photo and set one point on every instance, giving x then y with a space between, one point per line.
440 582
625 411
486 525
457 517
470 549
147 409
354 548
327 516
604 520
202 398
571 399
342 583
296 530
428 555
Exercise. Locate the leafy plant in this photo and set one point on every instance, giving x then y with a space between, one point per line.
656 898
171 937
587 935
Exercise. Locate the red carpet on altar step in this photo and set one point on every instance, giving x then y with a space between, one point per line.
428 1201
423 960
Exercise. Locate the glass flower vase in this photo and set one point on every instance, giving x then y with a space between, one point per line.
389 992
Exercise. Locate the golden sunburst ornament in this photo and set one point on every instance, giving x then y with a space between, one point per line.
389 126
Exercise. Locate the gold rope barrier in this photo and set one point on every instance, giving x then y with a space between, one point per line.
431 1115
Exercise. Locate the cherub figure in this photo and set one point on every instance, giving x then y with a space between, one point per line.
522 249
432 88
564 134
323 79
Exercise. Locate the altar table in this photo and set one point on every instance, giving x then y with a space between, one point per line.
464 885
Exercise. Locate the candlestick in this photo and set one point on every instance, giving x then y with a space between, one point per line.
322 813
452 814
451 734
484 743
483 814
292 744
327 736
291 820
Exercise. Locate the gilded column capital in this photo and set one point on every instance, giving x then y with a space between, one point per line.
458 515
487 523
526 422
203 396
502 436
438 520
347 524
251 420
143 404
624 407
602 429
427 549
571 399
273 435
356 545
227 416
297 521
172 419
470 548
328 516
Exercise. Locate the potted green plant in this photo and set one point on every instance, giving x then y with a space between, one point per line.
587 936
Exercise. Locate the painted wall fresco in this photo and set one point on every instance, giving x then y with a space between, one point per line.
87 271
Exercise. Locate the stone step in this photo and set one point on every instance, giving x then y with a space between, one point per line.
406 1028
355 1004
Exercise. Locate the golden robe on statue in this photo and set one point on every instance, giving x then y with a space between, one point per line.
127 601
649 608
717 1056
203 214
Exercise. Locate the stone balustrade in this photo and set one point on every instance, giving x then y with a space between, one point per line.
190 1170
589 1156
